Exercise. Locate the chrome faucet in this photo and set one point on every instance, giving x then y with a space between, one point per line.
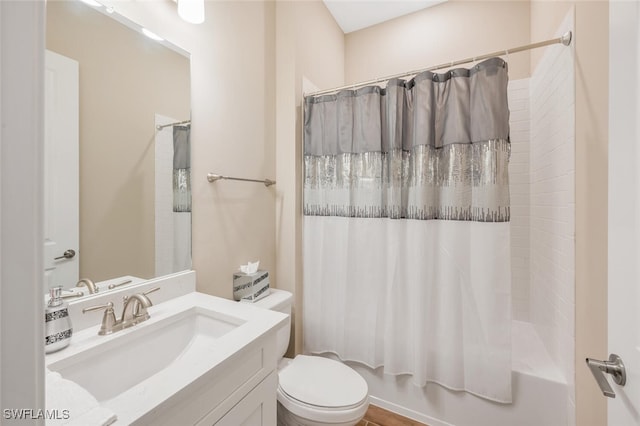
89 284
133 312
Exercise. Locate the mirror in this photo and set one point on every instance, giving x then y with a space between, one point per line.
132 218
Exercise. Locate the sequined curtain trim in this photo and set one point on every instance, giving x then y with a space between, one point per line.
181 190
182 169
455 182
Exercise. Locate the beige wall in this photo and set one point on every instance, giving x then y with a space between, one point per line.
125 79
233 132
233 116
592 129
233 97
310 45
447 32
235 55
546 17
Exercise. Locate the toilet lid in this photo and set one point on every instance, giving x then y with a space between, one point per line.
322 382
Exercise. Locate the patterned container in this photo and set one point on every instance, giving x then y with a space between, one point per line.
250 287
58 328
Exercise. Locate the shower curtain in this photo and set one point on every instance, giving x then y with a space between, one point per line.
182 168
181 198
406 228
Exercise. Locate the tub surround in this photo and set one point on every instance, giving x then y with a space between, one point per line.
553 206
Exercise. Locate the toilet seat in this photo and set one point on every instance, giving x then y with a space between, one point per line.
322 389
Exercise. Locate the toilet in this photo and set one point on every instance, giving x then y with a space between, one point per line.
312 390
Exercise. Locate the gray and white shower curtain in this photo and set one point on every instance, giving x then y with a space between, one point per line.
182 168
181 198
406 229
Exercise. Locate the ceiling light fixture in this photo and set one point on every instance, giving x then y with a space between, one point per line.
92 3
191 10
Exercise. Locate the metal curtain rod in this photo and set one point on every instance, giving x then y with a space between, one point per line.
160 127
565 40
213 177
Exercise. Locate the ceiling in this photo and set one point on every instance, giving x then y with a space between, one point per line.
353 15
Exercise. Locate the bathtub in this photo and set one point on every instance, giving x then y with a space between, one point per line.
540 395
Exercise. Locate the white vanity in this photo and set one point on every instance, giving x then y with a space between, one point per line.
199 359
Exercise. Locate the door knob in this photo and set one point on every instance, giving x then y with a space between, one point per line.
68 254
614 366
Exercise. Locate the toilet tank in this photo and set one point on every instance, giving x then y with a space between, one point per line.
281 301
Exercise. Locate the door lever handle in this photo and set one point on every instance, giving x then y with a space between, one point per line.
68 254
614 366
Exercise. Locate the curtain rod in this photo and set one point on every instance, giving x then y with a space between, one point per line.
160 127
565 40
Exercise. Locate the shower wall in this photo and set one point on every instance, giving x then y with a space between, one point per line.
542 185
552 164
542 181
519 188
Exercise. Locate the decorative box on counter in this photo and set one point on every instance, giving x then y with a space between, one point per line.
250 287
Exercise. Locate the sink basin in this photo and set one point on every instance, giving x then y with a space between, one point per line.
110 369
193 352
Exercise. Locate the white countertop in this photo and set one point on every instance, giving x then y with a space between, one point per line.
143 397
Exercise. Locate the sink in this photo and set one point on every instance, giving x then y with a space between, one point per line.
110 369
192 347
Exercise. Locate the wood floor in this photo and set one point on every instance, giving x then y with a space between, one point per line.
377 416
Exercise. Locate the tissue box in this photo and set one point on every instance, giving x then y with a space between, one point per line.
250 287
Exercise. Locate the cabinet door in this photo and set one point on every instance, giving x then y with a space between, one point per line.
258 408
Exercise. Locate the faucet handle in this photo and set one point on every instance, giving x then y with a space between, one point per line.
125 298
108 319
112 286
72 295
151 291
108 305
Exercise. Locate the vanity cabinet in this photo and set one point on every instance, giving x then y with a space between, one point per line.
198 360
241 391
259 407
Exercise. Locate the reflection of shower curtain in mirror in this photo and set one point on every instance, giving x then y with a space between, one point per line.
406 228
182 168
172 189
182 197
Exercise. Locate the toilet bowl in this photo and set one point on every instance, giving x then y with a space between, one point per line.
312 390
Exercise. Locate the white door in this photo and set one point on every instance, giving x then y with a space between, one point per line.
61 191
624 207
